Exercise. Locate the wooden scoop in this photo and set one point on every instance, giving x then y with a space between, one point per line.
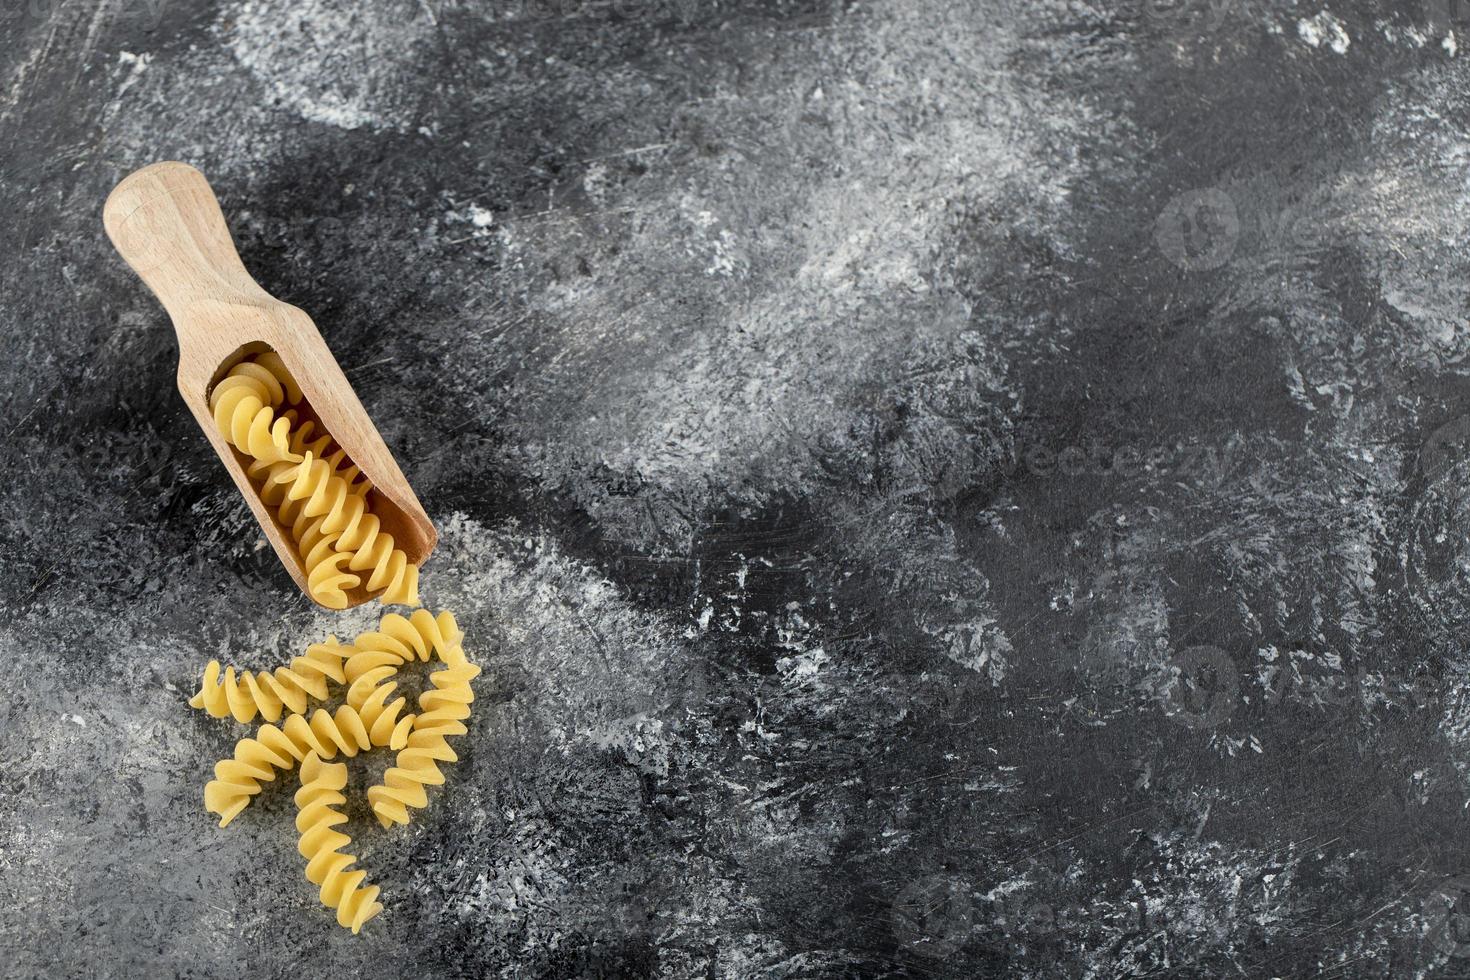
166 223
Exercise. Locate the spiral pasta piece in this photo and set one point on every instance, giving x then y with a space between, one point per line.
267 693
324 447
327 577
304 477
301 440
237 779
321 844
243 405
374 551
302 429
398 640
298 441
444 709
272 362
312 489
369 695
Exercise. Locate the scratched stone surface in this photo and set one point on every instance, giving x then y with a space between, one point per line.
938 488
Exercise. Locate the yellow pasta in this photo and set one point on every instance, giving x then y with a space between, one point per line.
443 710
354 529
327 577
301 429
368 696
289 689
244 406
348 731
399 640
267 693
321 844
324 448
272 362
316 491
300 439
298 442
323 499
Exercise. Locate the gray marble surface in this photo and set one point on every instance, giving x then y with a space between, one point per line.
943 488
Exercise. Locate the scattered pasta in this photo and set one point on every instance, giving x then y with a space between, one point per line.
237 779
321 844
268 692
443 710
322 498
373 716
399 640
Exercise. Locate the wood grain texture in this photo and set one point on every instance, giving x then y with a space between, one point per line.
165 221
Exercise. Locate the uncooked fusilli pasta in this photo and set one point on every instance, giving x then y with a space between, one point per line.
398 640
237 779
321 844
322 498
352 528
244 406
268 692
443 710
316 491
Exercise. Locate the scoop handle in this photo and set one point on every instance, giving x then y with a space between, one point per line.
165 221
